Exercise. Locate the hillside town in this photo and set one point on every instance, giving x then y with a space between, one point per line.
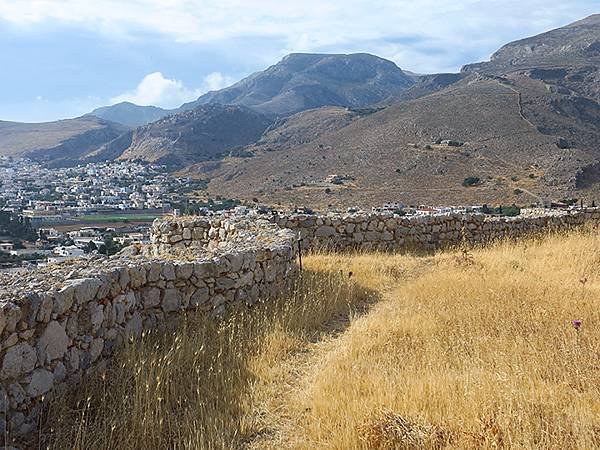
44 212
46 194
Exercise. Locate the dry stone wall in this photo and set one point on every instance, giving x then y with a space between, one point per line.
58 325
389 232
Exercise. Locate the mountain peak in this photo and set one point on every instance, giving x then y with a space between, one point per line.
575 44
130 114
302 81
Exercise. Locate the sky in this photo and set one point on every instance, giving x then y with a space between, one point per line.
63 58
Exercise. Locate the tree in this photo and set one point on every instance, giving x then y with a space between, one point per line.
91 247
16 226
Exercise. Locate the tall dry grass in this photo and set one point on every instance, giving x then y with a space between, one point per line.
194 388
472 349
480 352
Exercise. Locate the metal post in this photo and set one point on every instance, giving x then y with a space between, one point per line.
300 253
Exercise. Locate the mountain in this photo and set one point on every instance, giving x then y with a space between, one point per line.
306 81
199 130
521 129
62 140
129 114
567 58
206 132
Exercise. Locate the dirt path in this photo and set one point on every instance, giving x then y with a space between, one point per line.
282 413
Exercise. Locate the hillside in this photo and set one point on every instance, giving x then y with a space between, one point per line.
286 134
568 57
60 140
306 81
428 84
393 155
207 132
526 137
129 114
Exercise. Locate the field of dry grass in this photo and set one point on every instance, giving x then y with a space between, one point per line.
474 349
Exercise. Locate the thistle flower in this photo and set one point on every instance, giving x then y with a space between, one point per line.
577 324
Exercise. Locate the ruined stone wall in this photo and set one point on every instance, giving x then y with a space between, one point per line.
176 235
58 324
388 232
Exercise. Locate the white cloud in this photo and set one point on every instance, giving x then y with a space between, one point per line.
155 89
215 81
474 27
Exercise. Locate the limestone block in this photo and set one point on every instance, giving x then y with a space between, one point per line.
151 297
41 382
63 300
18 360
53 342
171 300
325 231
86 290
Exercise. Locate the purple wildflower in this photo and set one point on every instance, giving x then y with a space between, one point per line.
577 324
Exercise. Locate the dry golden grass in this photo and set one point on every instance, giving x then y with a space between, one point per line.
481 351
194 388
462 350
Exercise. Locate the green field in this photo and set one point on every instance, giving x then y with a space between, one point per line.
119 218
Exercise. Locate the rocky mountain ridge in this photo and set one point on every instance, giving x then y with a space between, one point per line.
303 81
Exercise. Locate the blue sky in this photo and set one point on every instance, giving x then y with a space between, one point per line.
62 58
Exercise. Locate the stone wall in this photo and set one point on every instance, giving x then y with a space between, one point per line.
58 324
176 235
388 232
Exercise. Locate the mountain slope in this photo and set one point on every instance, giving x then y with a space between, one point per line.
427 84
206 132
306 81
526 131
392 155
60 140
572 44
567 58
129 114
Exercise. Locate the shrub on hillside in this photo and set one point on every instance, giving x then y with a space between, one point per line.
471 181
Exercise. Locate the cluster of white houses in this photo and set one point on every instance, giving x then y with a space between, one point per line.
47 195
